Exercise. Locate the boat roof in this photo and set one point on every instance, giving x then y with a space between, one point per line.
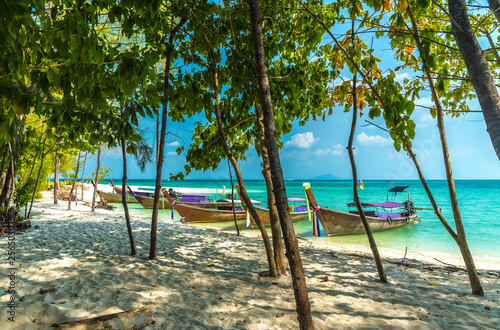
197 195
238 201
398 189
296 199
385 204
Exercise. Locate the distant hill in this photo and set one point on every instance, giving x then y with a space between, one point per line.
328 176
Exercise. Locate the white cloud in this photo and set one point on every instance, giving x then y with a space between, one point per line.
400 77
321 152
302 140
373 139
171 153
336 150
173 144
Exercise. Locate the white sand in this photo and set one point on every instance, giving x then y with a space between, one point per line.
208 279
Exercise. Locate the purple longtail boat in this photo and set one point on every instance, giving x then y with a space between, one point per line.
380 216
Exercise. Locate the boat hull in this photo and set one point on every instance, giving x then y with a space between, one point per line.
137 193
114 198
266 218
147 203
342 223
198 214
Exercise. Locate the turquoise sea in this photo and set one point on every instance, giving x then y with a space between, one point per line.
479 203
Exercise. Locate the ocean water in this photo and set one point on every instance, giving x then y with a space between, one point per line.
479 203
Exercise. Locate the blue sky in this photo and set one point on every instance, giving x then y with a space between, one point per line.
318 148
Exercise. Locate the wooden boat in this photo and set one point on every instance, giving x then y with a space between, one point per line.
115 198
195 214
147 202
387 215
191 213
265 217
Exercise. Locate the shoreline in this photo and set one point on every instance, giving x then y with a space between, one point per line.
209 279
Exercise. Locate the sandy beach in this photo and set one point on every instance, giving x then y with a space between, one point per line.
209 279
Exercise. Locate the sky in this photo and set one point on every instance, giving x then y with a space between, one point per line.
319 148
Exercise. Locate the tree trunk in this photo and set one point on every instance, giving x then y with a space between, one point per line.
56 177
279 256
74 181
495 8
157 138
159 165
96 177
29 176
460 238
124 199
242 189
303 306
37 178
371 239
5 156
479 72
232 198
83 172
14 148
6 187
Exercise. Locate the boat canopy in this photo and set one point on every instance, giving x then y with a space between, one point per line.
197 195
387 205
296 199
398 189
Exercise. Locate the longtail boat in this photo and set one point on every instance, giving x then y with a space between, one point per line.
191 213
296 214
118 190
380 216
194 200
115 198
195 214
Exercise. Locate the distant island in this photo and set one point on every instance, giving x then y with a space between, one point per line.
328 176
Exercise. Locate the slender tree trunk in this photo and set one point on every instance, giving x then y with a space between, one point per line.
12 178
232 198
6 187
243 192
13 148
5 156
157 138
461 238
124 199
154 219
83 172
96 177
479 71
74 181
56 177
371 239
37 178
303 306
495 8
29 176
279 255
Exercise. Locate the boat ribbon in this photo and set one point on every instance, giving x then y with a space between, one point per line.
173 210
248 219
307 204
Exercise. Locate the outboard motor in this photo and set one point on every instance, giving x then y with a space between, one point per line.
410 206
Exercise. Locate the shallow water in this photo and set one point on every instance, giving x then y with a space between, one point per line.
478 201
